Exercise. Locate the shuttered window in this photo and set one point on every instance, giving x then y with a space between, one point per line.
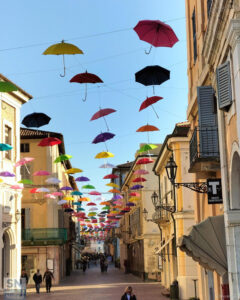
194 35
208 130
224 86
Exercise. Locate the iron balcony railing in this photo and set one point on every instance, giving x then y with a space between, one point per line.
204 144
161 215
45 234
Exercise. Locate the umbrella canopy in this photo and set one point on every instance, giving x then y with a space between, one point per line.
66 188
88 187
6 87
6 174
144 161
91 204
68 198
137 187
95 193
76 193
105 203
134 194
100 198
107 166
25 181
141 172
57 194
102 113
139 179
23 161
113 185
42 190
36 120
50 196
82 179
52 180
152 75
147 128
85 199
62 157
5 147
147 147
114 191
93 209
16 187
149 101
104 154
73 171
103 137
107 207
130 204
134 199
33 191
49 141
111 176
117 197
41 173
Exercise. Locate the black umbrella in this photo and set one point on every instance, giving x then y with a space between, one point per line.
152 75
36 120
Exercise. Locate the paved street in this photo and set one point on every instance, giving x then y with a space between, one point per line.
94 285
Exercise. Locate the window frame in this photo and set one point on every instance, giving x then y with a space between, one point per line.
194 35
8 154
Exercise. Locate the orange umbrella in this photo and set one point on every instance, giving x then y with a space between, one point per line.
105 203
114 191
85 199
146 128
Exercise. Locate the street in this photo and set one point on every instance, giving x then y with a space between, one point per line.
94 285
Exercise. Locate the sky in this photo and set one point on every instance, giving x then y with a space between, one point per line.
103 30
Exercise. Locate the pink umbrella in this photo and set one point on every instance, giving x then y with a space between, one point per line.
16 187
41 173
95 193
141 172
102 113
23 162
50 196
57 194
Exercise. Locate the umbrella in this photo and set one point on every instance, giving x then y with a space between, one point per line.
100 198
50 196
106 208
62 49
85 199
147 128
6 174
66 188
82 178
147 147
104 154
105 203
6 87
134 194
144 161
95 193
76 193
156 33
130 204
111 176
117 197
139 179
5 147
102 113
78 203
49 141
133 199
69 210
57 194
52 180
23 162
137 187
113 185
150 101
42 190
93 209
114 191
107 166
91 204
36 120
62 157
86 78
16 187
103 137
152 75
73 171
25 181
33 191
88 186
68 198
41 173
141 172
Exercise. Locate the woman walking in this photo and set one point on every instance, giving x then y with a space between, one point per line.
128 294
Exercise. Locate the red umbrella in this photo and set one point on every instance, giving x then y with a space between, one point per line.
50 141
139 179
86 78
110 176
134 194
95 193
102 113
150 101
156 33
144 161
91 204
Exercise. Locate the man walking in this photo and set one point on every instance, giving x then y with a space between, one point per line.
37 278
48 276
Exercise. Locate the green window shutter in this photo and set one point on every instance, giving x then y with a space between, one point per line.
224 86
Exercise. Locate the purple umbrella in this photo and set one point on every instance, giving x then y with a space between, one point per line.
66 188
103 137
137 187
130 204
6 174
117 197
82 178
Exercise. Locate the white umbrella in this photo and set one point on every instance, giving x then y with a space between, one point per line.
52 180
62 202
42 190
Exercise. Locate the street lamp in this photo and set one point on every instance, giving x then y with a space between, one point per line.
17 215
171 169
154 198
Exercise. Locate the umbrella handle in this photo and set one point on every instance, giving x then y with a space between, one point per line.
85 97
155 111
149 51
64 68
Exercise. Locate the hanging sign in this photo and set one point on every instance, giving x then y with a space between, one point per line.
214 191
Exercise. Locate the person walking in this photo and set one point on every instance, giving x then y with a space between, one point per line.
128 294
37 278
48 276
24 282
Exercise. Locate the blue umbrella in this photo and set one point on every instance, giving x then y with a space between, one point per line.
5 147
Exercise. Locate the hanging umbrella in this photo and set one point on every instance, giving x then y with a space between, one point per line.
93 209
113 185
5 147
41 173
85 199
102 113
141 172
156 33
152 75
62 49
33 191
130 204
104 154
103 137
134 199
105 203
16 187
111 176
68 198
42 190
106 208
117 197
147 128
36 120
50 196
73 171
139 179
6 174
107 166
147 147
134 194
66 188
82 179
23 162
91 204
6 87
150 101
95 193
70 210
76 193
57 194
88 186
49 141
114 191
78 204
137 187
25 181
62 157
86 78
52 180
100 198
144 161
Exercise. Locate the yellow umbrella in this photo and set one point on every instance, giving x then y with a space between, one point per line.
62 49
1 180
113 185
133 199
73 171
68 198
104 154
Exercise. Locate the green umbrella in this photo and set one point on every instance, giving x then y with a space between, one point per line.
106 208
62 158
88 186
6 87
25 181
147 147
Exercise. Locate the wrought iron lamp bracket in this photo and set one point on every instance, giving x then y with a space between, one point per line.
199 187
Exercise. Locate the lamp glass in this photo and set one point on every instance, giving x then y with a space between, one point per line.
171 169
154 198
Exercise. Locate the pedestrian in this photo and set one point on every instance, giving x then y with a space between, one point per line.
24 282
102 264
37 278
48 276
105 265
128 294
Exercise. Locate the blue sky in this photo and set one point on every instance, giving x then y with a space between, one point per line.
113 51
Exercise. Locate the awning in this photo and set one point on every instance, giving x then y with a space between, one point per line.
206 244
164 245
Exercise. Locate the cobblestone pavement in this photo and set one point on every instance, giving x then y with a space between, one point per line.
94 285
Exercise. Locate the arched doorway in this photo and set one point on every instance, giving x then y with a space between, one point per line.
6 270
235 182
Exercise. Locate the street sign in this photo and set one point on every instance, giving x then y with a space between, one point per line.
214 190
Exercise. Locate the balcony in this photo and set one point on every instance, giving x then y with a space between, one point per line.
162 215
44 236
204 150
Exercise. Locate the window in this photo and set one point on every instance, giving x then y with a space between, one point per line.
8 139
209 5
25 147
194 35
